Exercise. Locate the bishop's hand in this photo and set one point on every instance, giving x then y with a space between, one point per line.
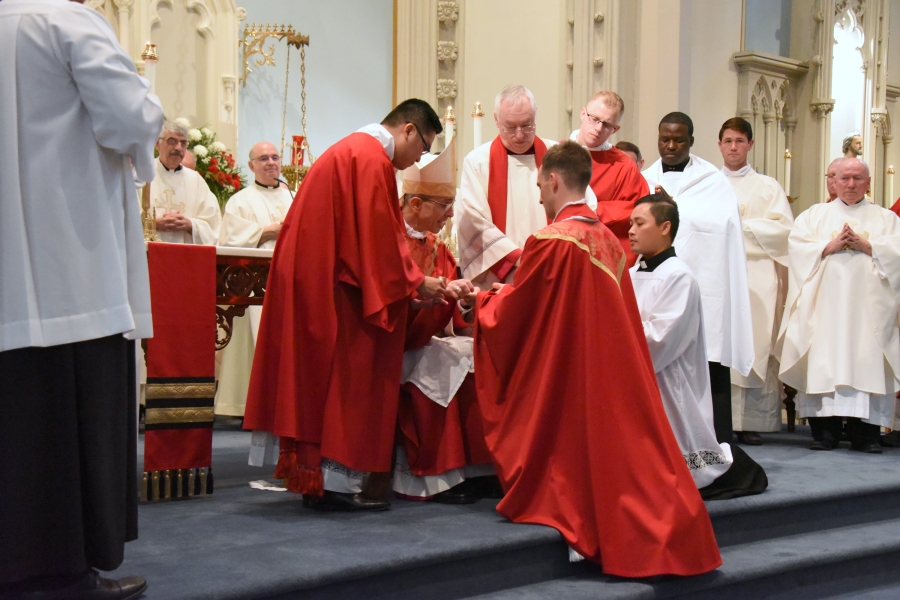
434 289
661 190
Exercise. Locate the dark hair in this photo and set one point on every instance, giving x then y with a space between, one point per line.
629 147
571 162
737 124
679 118
417 112
663 209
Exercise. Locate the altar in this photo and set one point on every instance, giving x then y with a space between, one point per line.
196 293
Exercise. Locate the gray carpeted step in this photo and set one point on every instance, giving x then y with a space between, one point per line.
831 563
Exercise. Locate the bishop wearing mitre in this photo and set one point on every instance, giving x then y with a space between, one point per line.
186 211
441 454
252 219
839 339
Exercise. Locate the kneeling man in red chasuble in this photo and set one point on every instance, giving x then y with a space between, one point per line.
326 373
571 408
441 453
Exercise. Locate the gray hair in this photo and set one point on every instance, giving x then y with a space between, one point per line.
174 127
845 161
512 94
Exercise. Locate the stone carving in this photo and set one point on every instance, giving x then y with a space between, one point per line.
446 88
447 51
820 109
448 10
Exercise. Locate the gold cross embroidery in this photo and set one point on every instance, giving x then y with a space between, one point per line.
169 206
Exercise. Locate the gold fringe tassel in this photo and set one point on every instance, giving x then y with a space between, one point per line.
176 483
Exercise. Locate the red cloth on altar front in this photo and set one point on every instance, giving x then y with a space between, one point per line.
437 439
181 356
572 411
326 373
618 184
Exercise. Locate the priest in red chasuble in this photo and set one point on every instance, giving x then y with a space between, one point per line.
499 205
573 416
326 373
441 453
616 179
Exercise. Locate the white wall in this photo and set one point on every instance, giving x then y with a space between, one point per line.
349 72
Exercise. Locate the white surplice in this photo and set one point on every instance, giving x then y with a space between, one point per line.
710 241
72 260
669 301
192 198
246 213
767 220
839 341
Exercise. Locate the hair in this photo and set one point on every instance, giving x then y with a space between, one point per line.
847 141
629 147
174 127
679 118
415 111
737 124
611 100
512 94
571 162
663 209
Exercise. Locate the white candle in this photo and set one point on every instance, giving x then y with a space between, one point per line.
891 185
477 116
787 173
150 59
449 121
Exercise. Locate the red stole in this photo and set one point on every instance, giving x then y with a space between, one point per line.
498 169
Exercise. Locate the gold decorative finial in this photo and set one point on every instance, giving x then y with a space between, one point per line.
149 52
787 154
891 170
477 111
448 114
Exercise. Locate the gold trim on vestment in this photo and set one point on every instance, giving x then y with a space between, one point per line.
156 391
165 416
594 260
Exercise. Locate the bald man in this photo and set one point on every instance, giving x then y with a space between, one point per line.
252 219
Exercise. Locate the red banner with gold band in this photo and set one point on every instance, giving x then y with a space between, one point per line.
180 391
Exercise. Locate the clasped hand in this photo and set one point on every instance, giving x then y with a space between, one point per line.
847 240
173 221
437 290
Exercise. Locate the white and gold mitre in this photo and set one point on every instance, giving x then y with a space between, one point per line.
436 177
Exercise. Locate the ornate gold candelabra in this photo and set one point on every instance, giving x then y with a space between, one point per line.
255 36
147 219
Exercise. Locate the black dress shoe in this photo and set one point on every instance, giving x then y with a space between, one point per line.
338 502
488 486
91 587
463 493
822 445
750 438
872 448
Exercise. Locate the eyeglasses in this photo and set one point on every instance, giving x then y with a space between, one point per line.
526 129
425 144
444 205
175 142
598 122
266 158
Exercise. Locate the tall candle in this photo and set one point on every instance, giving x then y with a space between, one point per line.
477 116
150 60
449 123
787 173
890 185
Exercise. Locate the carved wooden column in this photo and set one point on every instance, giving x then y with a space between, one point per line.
592 44
822 103
417 38
447 57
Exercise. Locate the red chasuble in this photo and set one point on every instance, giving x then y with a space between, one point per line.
572 412
327 367
896 207
618 184
437 439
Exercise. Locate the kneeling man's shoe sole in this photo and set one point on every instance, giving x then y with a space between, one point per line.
339 502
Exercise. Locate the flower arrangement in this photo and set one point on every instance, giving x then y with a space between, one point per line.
214 163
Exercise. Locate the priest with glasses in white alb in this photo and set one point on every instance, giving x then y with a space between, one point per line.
186 211
252 219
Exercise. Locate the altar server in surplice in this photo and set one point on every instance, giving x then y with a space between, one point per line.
669 301
839 339
616 179
252 219
441 454
767 220
575 423
75 118
499 205
326 374
186 211
710 241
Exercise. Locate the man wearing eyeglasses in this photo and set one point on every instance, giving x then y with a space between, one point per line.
499 203
252 219
616 179
186 211
829 180
838 339
326 373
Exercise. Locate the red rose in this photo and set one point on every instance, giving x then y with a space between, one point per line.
213 169
230 160
213 161
237 185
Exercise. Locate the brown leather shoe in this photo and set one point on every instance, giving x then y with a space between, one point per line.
90 587
338 502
